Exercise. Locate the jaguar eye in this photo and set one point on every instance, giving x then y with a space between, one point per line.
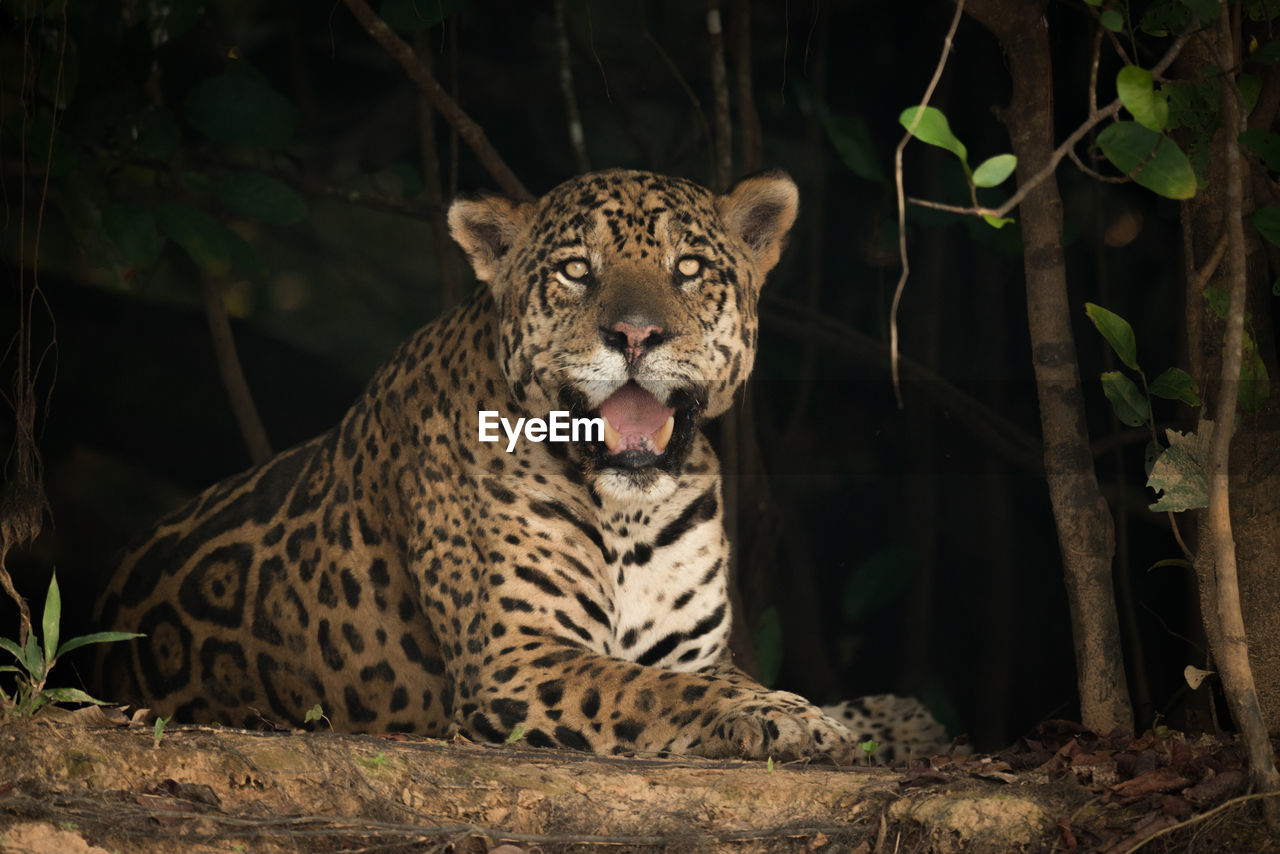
575 268
689 266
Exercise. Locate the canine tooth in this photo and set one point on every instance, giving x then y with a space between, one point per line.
611 436
663 436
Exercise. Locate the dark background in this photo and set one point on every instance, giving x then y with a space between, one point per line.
908 550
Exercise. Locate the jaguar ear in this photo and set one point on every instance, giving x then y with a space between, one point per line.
761 209
486 226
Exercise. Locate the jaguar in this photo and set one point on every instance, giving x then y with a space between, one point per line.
407 576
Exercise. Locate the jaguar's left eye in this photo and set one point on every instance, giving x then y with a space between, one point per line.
689 266
575 269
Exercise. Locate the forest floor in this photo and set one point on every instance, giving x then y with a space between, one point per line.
74 789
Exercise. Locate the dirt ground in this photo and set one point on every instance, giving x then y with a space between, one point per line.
71 788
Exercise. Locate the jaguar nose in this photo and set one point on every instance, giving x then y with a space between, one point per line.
632 340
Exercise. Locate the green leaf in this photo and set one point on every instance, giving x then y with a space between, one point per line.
1265 144
96 637
314 713
1176 384
71 695
1112 20
996 221
1153 159
994 170
1268 54
851 137
878 582
515 735
1218 300
1117 331
51 620
1250 86
266 199
204 238
1093 2
33 659
132 228
1179 472
233 108
1130 404
1137 93
768 646
934 129
13 649
1255 384
1267 221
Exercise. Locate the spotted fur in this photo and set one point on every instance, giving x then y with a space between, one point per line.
407 577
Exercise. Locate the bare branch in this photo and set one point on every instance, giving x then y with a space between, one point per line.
675 71
450 284
577 138
752 146
1095 174
1233 657
723 172
1093 120
902 207
233 381
422 77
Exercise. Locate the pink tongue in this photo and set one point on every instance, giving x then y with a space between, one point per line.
632 410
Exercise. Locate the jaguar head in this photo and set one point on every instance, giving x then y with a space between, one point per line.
631 297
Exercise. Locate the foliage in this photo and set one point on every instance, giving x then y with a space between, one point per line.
1181 475
157 731
36 660
316 713
928 124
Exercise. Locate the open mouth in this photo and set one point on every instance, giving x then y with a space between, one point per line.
641 431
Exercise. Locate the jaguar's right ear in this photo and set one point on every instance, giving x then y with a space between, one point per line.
486 226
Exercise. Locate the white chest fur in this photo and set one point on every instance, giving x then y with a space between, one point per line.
669 581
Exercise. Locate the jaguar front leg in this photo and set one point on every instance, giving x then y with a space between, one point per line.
566 696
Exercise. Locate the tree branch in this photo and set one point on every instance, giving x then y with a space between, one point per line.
902 208
422 77
1233 656
233 381
577 138
1093 120
450 281
723 173
752 146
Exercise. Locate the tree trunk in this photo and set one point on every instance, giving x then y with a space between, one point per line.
1255 445
1086 533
